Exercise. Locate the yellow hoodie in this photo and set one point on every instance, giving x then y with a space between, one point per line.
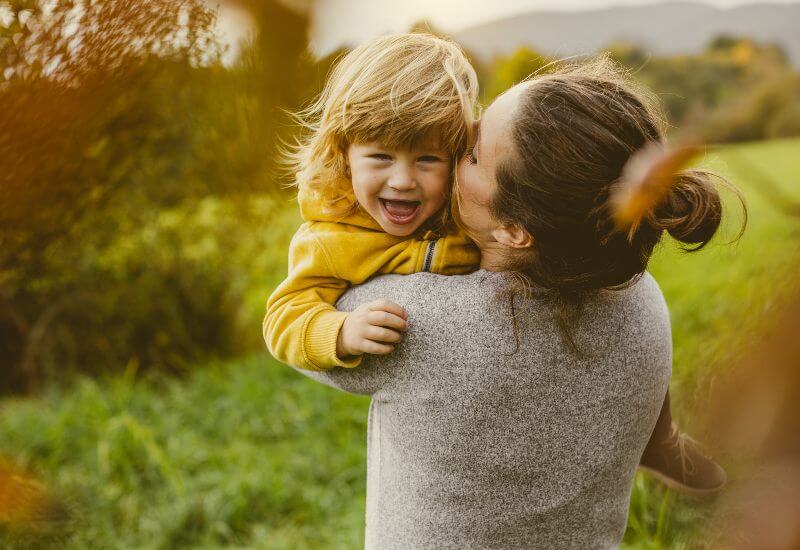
326 256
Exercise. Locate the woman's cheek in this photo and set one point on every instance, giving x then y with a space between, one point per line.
466 182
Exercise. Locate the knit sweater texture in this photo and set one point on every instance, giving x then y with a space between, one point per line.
481 435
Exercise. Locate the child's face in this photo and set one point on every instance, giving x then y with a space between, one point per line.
399 188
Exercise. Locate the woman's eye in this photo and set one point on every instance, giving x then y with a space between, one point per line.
380 156
471 158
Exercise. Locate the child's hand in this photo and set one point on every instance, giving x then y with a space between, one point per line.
372 328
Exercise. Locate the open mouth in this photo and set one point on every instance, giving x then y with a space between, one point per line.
400 212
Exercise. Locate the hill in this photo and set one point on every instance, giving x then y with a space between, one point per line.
668 28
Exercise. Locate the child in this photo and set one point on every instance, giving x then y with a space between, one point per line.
374 177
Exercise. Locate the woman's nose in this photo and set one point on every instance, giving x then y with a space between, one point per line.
402 179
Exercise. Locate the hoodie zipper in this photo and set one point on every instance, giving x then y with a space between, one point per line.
429 251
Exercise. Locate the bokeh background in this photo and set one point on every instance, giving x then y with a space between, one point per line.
144 219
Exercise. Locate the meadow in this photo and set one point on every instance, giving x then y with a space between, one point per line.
247 453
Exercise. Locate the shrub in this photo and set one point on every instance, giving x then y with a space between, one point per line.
135 168
769 110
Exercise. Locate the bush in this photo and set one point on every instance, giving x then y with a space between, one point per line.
135 169
510 70
735 90
189 284
767 111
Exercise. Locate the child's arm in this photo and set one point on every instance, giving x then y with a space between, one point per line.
303 328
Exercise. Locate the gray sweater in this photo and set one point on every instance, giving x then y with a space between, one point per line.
475 444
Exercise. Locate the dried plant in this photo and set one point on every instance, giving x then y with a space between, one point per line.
65 68
69 41
756 414
27 507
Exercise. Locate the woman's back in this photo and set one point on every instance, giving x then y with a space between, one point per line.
482 437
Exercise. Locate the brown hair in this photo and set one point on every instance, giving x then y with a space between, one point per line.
574 133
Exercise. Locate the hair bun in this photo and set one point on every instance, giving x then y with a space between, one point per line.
692 210
656 189
645 181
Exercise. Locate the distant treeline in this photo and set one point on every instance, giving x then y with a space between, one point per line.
734 90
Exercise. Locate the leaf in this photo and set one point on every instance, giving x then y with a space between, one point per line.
646 179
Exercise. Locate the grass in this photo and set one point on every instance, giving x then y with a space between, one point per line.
249 454
246 453
719 299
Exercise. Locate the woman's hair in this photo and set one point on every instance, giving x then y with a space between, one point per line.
573 134
396 89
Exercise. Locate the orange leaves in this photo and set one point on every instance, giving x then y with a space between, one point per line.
25 503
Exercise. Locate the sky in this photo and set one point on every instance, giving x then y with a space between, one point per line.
338 22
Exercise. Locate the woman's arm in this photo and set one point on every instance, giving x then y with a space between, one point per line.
376 371
366 379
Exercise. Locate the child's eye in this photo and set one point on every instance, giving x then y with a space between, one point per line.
430 158
380 156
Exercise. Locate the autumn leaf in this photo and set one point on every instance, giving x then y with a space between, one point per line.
646 180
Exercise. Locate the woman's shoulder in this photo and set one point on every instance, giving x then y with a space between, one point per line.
481 290
643 296
635 316
428 290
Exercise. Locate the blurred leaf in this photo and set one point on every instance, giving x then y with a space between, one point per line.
646 179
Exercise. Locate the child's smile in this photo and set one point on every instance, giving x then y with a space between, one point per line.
399 188
400 212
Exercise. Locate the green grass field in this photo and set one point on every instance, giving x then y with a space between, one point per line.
250 454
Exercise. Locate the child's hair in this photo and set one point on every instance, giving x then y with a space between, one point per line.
396 89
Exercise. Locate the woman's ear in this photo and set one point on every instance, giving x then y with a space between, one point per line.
513 236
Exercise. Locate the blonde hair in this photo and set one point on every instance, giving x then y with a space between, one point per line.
396 89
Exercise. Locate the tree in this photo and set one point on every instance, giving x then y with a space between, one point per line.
508 71
119 121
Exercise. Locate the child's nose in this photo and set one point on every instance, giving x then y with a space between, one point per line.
403 179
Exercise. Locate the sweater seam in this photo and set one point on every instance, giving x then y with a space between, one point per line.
327 256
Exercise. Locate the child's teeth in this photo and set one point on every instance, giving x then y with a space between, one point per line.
400 208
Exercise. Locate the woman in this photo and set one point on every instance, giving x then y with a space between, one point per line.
514 415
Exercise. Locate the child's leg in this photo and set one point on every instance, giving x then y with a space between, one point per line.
674 458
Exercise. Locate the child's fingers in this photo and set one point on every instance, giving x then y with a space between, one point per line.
389 307
376 348
385 319
380 334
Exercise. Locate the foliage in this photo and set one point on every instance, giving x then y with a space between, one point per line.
511 70
766 111
735 90
721 87
117 116
171 291
245 454
249 453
